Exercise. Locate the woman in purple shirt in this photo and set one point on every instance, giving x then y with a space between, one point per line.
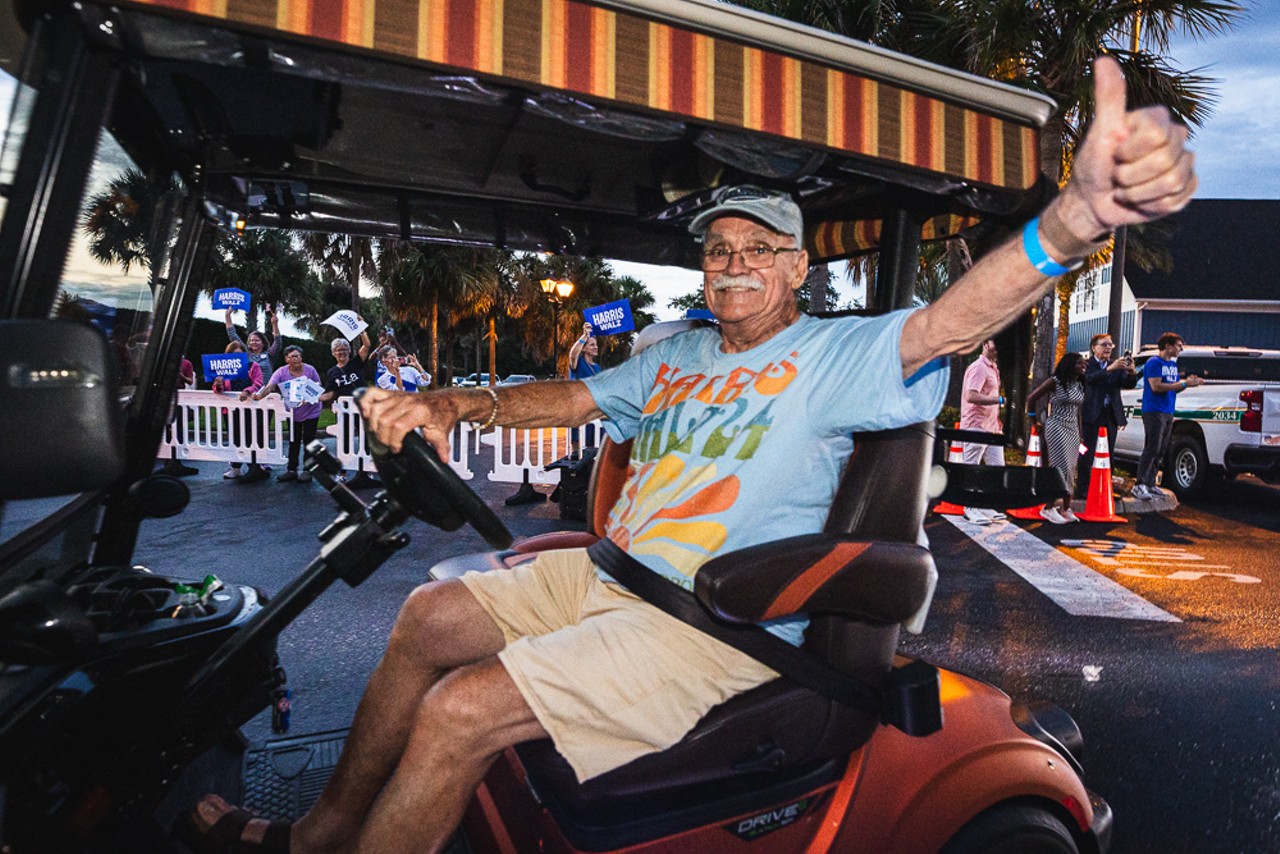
305 415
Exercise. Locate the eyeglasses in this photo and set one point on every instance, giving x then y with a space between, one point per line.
758 257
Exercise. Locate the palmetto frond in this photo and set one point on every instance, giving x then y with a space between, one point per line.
121 221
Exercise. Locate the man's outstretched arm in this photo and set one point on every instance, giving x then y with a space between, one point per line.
1133 167
557 403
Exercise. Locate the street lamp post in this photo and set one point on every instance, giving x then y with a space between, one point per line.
557 291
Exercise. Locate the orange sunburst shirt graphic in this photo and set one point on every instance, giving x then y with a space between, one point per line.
697 429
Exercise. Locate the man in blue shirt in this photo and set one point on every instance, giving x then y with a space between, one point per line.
740 434
1159 390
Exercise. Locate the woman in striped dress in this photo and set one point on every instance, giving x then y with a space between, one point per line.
1065 392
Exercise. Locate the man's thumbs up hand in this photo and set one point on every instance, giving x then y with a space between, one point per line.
1132 167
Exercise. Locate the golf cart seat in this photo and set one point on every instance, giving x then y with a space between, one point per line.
779 735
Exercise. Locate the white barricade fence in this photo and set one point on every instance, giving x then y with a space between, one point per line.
220 427
353 455
520 452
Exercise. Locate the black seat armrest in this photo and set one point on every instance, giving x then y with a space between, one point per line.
881 582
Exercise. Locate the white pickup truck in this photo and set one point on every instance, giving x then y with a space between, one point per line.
1229 425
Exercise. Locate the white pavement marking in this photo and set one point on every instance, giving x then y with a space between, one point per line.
1188 575
1077 589
1120 554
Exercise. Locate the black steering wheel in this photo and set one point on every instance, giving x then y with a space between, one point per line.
426 487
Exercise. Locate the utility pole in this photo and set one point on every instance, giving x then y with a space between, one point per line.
1116 301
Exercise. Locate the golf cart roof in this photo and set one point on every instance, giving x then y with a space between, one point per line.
592 128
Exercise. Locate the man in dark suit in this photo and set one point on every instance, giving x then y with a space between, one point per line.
1103 380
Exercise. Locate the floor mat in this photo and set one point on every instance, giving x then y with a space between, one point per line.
284 777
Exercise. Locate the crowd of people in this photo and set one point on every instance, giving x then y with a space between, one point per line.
1079 403
357 364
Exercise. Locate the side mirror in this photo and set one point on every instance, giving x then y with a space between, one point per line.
59 408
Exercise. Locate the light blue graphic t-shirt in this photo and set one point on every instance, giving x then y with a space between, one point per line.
734 450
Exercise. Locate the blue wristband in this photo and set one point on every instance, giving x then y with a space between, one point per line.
1036 254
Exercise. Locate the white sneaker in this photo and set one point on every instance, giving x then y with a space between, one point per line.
1068 515
976 516
996 516
1051 514
231 473
1141 493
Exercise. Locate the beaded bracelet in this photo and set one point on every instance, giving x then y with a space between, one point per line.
493 413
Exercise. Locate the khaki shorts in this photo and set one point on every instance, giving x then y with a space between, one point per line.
608 676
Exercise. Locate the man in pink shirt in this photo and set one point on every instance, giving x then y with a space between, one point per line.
980 402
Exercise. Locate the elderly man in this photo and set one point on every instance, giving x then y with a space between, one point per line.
727 424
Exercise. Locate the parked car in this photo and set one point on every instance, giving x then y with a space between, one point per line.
1229 425
472 380
517 379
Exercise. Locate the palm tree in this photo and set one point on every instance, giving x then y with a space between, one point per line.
343 257
634 291
1046 45
265 263
125 222
1049 46
594 284
420 282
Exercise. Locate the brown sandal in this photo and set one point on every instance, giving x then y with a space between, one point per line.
224 835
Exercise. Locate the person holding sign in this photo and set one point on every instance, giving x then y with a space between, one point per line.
347 374
582 355
259 352
291 382
250 382
582 364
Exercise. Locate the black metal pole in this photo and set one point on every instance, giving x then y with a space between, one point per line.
75 94
555 338
1116 301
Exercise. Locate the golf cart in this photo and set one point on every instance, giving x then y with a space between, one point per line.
594 128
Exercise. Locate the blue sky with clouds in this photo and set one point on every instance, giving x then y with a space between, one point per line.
1238 148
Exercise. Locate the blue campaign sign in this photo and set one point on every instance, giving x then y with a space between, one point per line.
232 298
610 318
229 366
698 314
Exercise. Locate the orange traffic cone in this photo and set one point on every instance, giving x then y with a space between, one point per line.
1101 506
955 454
1033 460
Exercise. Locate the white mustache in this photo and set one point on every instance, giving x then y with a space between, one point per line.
726 281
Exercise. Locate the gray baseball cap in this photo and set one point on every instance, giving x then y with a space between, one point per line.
769 207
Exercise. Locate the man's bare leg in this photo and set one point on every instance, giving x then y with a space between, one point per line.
440 626
461 727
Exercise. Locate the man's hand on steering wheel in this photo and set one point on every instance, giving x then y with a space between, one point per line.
416 469
392 414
